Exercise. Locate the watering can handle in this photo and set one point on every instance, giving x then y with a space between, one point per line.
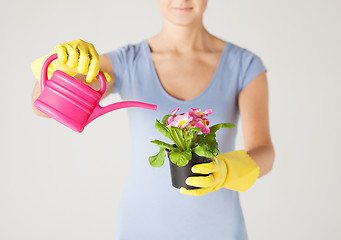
44 76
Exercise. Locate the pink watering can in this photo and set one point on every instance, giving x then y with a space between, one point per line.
73 103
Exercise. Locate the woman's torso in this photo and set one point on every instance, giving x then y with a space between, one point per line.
150 207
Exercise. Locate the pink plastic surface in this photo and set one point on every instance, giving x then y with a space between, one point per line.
73 103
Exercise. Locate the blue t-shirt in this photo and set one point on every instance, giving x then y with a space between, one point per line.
150 207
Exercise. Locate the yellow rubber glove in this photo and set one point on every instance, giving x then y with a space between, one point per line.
234 170
74 57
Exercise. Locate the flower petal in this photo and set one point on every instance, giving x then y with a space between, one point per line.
205 130
199 124
207 111
169 120
181 121
175 111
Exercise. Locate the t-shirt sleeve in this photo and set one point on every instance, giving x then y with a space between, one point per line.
119 60
251 66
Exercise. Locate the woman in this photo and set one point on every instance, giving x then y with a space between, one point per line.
182 66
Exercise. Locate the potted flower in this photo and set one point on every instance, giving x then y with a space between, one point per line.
194 142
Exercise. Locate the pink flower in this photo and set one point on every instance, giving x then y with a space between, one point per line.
170 119
197 112
207 121
175 111
207 111
181 121
194 118
193 122
203 125
173 114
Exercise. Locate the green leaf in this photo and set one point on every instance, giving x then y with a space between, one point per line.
209 140
213 147
214 150
181 158
164 119
162 129
203 151
206 139
158 159
177 137
216 127
164 145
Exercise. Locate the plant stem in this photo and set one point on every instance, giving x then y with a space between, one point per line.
195 134
178 138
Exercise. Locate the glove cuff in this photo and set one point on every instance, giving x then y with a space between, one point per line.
242 171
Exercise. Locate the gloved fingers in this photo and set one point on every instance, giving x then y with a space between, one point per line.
80 56
204 181
92 51
204 168
73 56
194 192
106 75
93 70
94 63
84 60
62 53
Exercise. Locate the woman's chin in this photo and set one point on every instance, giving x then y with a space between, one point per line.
183 20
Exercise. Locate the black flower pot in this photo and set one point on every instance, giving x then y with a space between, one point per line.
179 174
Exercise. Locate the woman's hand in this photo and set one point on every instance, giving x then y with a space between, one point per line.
81 56
74 57
234 170
217 177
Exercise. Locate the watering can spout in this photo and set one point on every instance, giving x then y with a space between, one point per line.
99 111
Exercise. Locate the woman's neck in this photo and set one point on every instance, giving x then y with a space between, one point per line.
177 38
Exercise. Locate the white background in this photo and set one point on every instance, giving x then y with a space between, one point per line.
59 184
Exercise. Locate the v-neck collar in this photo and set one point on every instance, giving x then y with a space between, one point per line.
213 80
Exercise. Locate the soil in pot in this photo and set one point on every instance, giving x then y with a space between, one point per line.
179 174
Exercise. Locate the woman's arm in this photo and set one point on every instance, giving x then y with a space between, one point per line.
253 106
105 65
